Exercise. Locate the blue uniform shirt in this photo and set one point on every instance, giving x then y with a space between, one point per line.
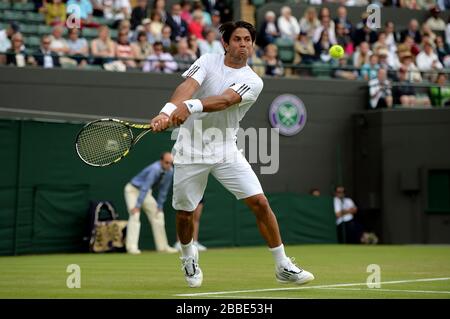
151 178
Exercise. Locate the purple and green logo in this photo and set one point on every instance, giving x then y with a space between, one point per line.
287 113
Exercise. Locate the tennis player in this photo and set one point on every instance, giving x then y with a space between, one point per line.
217 92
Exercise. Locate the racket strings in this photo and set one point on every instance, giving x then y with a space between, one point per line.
102 143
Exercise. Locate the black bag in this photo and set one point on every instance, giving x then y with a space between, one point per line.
106 232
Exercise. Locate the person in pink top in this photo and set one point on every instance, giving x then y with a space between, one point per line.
197 25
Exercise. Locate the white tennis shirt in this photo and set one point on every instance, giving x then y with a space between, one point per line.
205 136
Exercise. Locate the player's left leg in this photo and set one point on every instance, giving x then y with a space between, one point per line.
238 177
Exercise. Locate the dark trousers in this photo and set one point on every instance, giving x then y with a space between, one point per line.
349 232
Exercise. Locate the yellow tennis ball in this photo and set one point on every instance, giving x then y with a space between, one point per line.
336 51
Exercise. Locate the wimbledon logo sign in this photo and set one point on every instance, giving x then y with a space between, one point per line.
287 113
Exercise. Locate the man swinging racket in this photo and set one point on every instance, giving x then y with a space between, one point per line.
218 91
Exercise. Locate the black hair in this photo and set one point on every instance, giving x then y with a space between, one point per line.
164 154
228 28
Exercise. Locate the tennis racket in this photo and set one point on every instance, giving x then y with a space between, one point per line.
106 141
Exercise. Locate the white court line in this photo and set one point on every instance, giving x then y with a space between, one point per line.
307 287
393 290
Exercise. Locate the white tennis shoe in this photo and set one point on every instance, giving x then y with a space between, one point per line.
289 272
192 272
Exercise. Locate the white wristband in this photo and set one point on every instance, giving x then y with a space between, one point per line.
194 106
168 108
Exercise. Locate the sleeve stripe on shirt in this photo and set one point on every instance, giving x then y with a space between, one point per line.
244 88
193 70
245 91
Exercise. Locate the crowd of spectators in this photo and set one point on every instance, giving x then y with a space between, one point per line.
153 36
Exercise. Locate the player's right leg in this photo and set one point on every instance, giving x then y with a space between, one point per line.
189 183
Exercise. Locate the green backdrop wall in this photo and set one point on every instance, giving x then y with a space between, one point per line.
45 191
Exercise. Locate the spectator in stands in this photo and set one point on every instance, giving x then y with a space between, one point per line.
268 31
6 36
178 26
343 39
407 63
443 51
186 9
369 71
125 27
343 71
274 67
147 29
216 22
309 22
428 34
363 33
413 31
226 12
142 48
198 6
408 45
210 44
78 47
391 36
314 192
435 22
380 91
342 19
404 93
166 40
325 25
97 7
444 4
59 44
184 57
156 24
159 6
85 10
440 93
103 48
117 10
389 62
304 49
124 51
380 43
54 11
361 55
139 13
322 47
287 24
427 60
160 61
45 57
348 230
16 54
196 27
193 45
409 4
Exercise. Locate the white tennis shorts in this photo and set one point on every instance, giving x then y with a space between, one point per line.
189 181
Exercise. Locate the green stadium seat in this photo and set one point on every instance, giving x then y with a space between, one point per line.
321 70
89 33
29 6
14 16
5 5
44 29
32 42
29 29
104 21
258 3
286 51
35 17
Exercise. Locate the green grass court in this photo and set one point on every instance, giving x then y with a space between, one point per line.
406 272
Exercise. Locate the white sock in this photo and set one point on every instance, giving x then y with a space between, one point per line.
187 250
279 255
